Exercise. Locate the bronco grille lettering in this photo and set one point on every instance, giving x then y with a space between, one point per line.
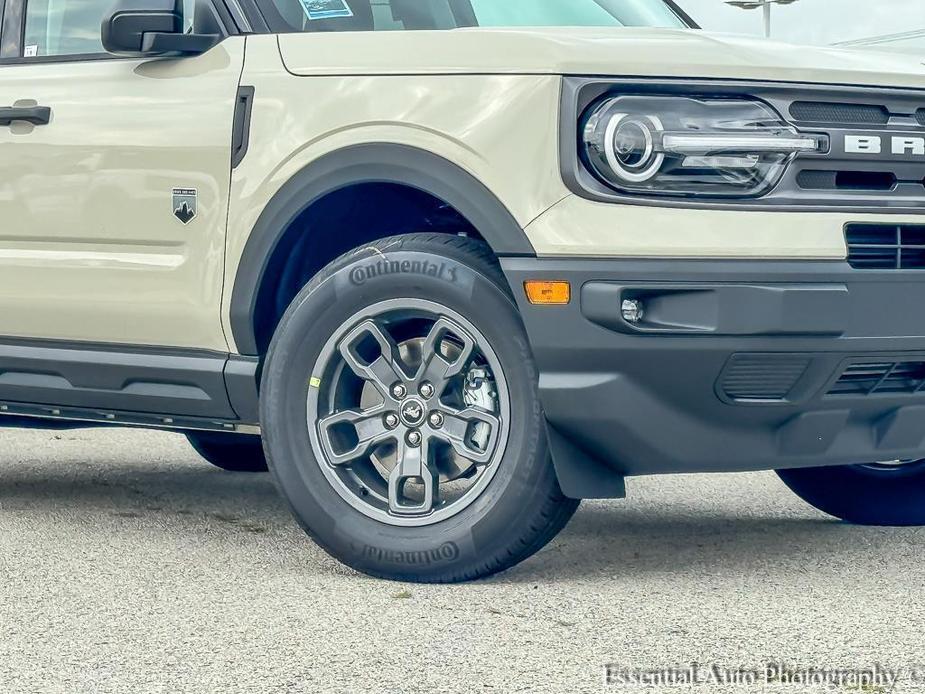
899 145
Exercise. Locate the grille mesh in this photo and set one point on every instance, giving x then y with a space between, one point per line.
904 378
886 246
920 116
825 112
769 377
812 179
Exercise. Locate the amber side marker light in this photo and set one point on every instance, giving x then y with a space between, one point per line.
545 292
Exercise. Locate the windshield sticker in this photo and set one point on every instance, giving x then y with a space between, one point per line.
326 9
30 52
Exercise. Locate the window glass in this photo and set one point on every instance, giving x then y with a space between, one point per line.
396 15
63 27
68 27
541 13
9 37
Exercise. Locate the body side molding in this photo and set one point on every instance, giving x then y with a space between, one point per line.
126 384
366 163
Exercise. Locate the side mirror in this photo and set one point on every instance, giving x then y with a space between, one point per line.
150 28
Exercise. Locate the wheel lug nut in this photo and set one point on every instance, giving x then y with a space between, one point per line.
399 391
435 419
427 390
391 420
414 438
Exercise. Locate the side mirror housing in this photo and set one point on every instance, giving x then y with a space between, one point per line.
149 28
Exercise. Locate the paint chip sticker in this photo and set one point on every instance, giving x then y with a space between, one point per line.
326 9
30 52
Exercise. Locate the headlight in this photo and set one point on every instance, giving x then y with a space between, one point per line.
663 145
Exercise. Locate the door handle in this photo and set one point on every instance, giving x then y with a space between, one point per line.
37 115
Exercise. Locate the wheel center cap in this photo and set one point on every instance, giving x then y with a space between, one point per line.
412 412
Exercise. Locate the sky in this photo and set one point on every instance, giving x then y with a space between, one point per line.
814 21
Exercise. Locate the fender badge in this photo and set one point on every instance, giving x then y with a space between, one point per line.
185 204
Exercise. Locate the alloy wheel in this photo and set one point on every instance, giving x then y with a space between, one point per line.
408 412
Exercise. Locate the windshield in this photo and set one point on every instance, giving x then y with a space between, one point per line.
398 15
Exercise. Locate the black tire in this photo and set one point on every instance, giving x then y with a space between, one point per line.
521 508
892 495
231 452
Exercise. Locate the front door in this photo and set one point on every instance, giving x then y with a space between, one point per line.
114 179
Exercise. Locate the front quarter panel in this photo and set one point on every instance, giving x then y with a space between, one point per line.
501 129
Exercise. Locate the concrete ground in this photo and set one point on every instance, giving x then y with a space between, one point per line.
128 564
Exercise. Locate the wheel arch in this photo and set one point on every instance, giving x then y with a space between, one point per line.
358 164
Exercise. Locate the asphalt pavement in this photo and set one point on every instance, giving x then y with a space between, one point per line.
128 564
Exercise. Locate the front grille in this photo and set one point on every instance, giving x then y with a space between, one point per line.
848 114
841 176
886 246
762 377
904 378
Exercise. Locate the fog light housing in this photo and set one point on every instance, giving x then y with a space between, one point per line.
633 311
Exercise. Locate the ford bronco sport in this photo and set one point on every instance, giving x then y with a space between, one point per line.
456 264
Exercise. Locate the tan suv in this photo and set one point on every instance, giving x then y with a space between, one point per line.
461 263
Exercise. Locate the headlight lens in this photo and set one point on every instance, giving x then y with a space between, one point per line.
663 145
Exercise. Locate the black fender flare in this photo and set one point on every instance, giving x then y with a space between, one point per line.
364 163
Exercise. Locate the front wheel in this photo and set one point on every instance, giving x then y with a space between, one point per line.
400 412
877 494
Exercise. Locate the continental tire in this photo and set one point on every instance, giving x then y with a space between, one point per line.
400 414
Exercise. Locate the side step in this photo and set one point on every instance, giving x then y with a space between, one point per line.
23 416
158 387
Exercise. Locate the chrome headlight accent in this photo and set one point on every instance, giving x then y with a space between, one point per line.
685 146
631 154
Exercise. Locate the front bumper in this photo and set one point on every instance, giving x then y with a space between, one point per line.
737 365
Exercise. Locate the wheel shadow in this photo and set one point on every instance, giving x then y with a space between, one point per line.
173 489
604 540
607 540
